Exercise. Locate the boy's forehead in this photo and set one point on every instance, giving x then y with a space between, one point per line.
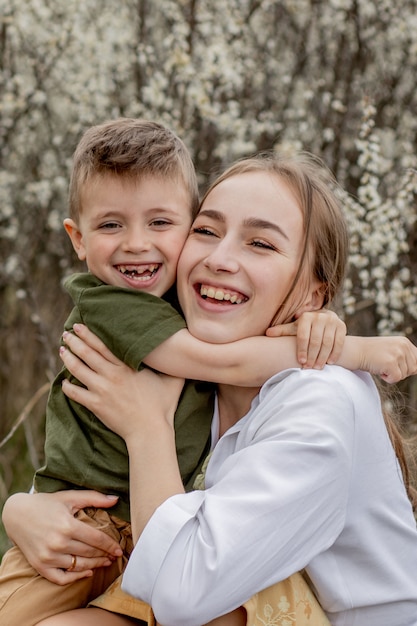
131 179
169 190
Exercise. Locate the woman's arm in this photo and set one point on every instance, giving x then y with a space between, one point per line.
147 402
54 535
153 466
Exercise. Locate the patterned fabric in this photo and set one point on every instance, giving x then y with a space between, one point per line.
290 602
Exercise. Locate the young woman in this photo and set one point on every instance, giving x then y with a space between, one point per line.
302 475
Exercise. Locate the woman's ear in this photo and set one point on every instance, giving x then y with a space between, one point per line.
314 300
76 237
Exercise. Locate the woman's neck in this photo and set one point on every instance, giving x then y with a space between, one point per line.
234 403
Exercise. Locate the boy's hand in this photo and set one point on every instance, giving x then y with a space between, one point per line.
391 358
320 337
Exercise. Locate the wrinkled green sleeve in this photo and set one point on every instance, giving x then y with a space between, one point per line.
131 323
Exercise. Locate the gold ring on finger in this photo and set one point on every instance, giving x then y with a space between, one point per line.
71 568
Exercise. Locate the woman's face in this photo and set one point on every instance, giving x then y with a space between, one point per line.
241 258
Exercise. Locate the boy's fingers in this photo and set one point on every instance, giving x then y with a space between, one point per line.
336 351
317 354
321 346
305 341
281 330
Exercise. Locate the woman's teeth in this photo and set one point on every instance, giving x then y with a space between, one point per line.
219 294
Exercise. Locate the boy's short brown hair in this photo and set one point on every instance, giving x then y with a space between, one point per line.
131 148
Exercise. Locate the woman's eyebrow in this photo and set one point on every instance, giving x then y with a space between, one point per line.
215 215
256 222
251 222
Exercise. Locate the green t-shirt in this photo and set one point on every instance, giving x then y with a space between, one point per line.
80 451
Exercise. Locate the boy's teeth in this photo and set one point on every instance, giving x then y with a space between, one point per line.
134 269
219 294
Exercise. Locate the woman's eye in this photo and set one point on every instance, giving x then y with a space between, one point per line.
256 243
202 230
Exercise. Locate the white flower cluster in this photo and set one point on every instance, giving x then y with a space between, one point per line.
231 77
381 230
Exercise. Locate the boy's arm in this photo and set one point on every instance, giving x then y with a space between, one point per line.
246 363
251 361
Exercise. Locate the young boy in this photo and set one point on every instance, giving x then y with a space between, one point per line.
133 196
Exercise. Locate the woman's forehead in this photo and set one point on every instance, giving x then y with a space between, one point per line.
253 196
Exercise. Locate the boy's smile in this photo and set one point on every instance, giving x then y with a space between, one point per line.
131 233
139 273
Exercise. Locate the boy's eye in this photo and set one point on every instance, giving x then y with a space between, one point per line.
160 222
109 226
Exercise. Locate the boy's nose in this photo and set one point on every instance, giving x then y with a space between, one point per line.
136 241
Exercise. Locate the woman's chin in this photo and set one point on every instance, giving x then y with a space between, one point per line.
215 332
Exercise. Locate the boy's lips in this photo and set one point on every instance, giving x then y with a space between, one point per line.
220 294
140 272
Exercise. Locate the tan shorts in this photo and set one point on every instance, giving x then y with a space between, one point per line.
117 601
26 597
288 602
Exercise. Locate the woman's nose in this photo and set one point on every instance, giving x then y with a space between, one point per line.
223 258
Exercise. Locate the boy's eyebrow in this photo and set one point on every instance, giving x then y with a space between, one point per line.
110 212
163 208
251 222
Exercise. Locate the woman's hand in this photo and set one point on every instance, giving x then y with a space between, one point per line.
54 535
126 401
320 337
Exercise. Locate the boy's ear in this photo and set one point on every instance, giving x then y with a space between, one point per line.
76 237
314 300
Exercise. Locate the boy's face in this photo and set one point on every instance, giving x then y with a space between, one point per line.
131 233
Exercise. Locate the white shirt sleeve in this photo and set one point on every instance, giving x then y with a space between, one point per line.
276 492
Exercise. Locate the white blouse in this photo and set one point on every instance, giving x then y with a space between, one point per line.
308 478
